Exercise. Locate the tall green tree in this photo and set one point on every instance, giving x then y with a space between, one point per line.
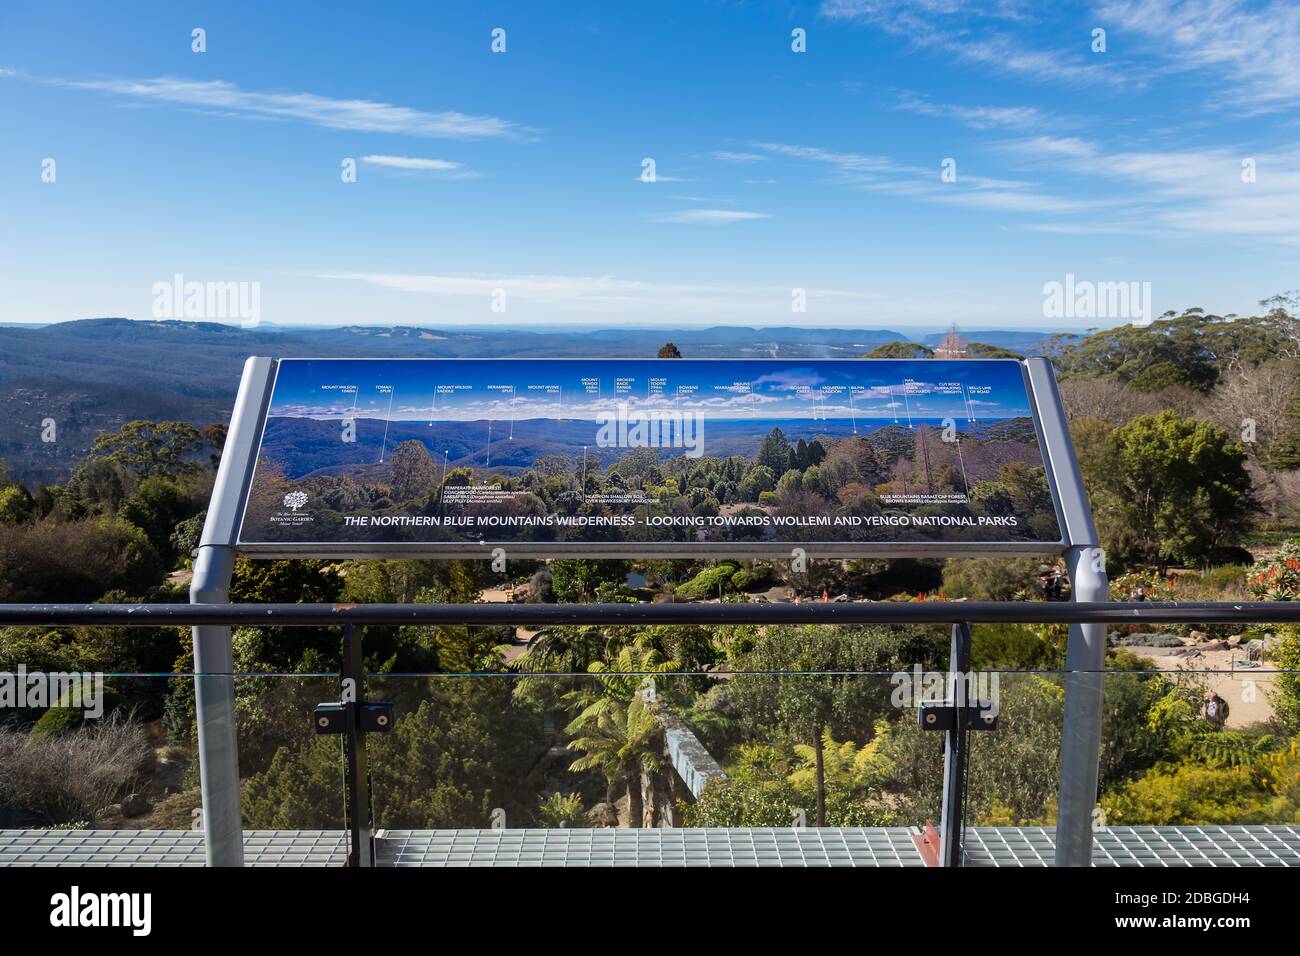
152 448
156 507
415 476
1175 490
775 453
622 740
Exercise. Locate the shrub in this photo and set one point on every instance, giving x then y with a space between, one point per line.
750 579
557 811
1185 794
61 718
75 561
709 582
70 777
1277 579
1285 694
990 579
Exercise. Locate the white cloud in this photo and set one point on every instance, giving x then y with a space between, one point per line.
975 32
361 115
410 162
885 175
977 117
1255 45
1191 190
709 217
441 168
1251 44
729 157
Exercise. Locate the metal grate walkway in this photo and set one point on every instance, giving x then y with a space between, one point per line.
1232 846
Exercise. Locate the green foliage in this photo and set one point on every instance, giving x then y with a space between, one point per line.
1263 790
775 454
1184 349
579 581
402 582
752 578
1144 719
285 582
63 717
156 507
288 582
151 448
559 810
1171 490
300 790
415 476
1285 693
985 351
770 785
451 758
710 583
622 740
745 803
989 579
16 504
1162 375
1018 647
798 682
1277 579
185 537
73 561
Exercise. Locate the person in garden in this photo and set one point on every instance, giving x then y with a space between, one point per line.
1216 710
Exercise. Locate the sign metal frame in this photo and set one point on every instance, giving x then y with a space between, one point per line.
533 550
220 545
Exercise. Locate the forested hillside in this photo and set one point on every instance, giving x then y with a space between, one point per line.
92 376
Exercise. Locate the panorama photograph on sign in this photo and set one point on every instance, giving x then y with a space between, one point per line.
652 450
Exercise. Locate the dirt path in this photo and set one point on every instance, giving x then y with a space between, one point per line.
1227 673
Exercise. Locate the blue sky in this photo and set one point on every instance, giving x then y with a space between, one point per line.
477 390
522 171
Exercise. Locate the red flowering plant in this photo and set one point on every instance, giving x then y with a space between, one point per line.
1278 578
1157 586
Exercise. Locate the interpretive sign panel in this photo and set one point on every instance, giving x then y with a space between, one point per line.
636 457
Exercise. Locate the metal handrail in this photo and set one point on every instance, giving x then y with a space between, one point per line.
875 612
958 613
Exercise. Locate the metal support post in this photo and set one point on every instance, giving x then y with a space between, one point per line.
956 751
1086 654
214 682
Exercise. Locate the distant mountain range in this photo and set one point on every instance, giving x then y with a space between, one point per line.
93 375
304 447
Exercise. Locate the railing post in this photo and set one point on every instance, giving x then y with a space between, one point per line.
214 563
214 713
356 771
952 824
1086 655
1085 665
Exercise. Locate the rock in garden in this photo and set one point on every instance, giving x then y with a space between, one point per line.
135 806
